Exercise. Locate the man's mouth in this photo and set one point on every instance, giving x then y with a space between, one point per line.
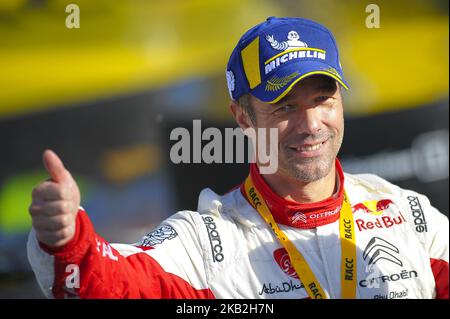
308 150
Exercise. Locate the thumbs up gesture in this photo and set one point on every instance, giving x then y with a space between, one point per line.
55 204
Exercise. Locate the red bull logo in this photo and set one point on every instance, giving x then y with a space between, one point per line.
378 208
374 207
383 222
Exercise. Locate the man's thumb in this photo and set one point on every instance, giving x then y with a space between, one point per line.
55 167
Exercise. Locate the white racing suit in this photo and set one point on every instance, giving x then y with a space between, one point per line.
226 250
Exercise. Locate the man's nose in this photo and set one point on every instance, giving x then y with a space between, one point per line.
308 120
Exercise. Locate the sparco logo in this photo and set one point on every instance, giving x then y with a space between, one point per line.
159 235
214 239
417 212
378 249
281 256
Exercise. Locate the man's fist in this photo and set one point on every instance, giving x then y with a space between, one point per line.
55 204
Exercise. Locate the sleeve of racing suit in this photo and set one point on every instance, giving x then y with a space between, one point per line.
167 264
434 226
438 250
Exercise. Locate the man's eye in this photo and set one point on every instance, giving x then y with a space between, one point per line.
321 98
285 108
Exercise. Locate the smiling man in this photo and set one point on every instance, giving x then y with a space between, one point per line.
306 231
310 128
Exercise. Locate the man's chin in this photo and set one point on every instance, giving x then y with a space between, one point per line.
309 170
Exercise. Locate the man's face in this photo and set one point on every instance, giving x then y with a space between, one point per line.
310 127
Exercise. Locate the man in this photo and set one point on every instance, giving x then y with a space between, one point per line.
306 231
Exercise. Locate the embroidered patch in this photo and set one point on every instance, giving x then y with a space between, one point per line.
333 71
276 83
159 235
230 82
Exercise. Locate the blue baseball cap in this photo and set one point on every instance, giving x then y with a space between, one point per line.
273 56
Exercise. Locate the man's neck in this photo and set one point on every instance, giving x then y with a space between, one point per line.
295 190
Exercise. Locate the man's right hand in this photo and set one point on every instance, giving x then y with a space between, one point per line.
55 204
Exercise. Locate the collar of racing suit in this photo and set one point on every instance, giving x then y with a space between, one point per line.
291 213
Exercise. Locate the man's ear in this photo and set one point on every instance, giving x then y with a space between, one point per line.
240 116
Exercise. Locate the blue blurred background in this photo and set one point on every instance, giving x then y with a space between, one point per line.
105 97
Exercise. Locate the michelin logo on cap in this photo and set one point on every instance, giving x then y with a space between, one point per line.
296 50
292 42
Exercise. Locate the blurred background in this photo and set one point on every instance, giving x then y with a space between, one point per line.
105 97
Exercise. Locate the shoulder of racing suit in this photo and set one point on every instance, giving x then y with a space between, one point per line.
424 219
217 230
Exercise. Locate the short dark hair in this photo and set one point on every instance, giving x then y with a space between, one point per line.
246 104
